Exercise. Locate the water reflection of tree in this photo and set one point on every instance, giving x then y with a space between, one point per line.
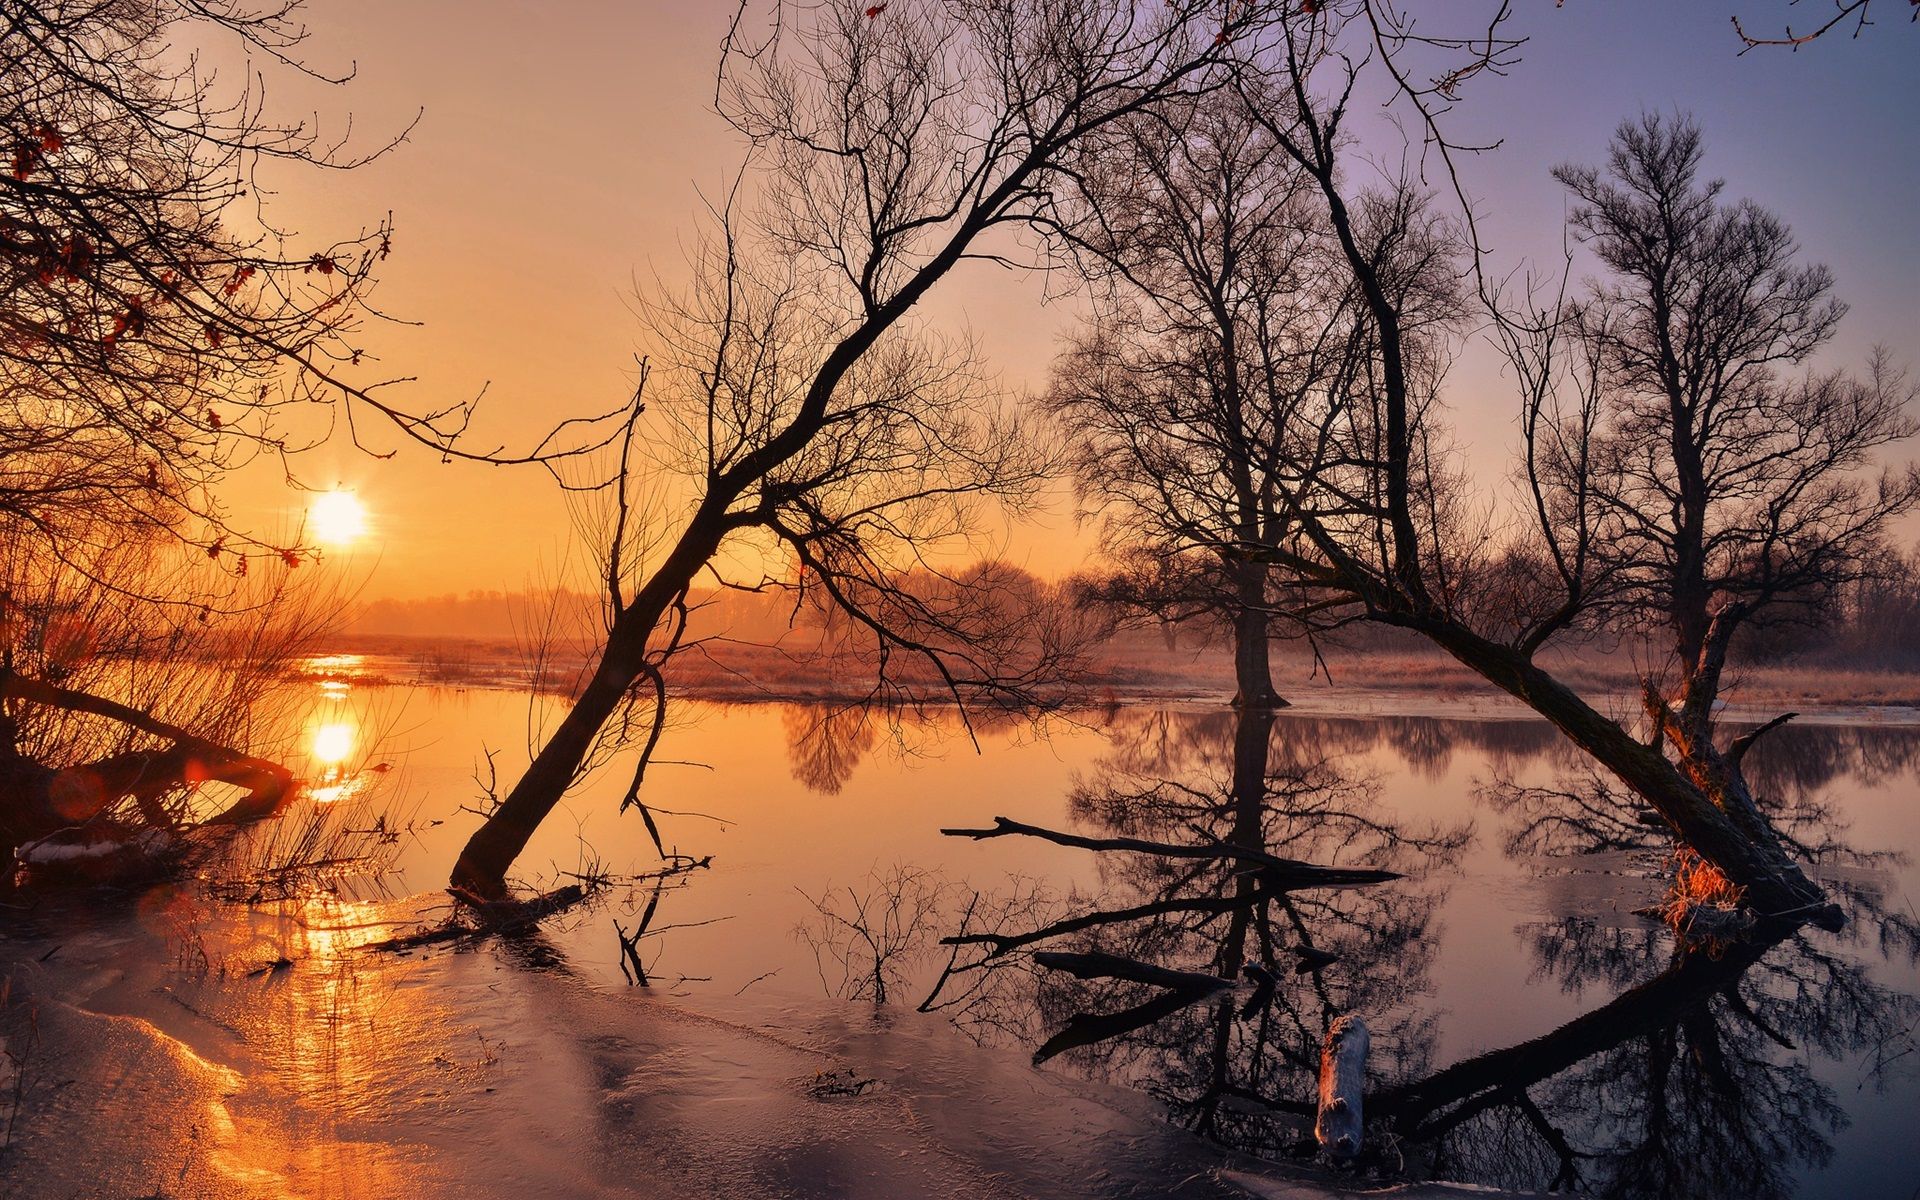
1792 774
826 742
1233 799
1698 1077
1794 777
1698 1081
1700 1074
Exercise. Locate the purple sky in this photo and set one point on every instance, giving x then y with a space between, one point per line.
559 160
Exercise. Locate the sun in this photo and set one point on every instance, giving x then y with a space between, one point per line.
337 518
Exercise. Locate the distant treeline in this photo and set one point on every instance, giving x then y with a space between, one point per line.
1870 623
494 615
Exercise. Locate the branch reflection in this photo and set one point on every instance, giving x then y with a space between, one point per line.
1254 887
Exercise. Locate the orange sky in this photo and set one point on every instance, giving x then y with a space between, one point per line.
557 167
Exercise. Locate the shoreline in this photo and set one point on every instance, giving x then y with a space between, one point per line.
1394 686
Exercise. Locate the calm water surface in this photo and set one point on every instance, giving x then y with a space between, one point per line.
1528 1029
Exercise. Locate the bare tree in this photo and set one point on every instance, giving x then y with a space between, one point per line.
158 328
149 309
892 143
1720 491
1389 526
1197 395
1715 492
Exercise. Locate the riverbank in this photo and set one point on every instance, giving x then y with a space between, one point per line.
1395 684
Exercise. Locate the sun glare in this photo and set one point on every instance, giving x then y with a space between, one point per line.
337 518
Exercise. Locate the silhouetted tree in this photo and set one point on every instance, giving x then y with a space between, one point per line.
1194 397
893 144
1390 525
149 314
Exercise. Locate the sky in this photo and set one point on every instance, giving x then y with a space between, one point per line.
561 154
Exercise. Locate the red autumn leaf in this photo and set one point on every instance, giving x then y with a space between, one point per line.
321 263
50 139
290 558
213 418
875 11
153 476
213 335
213 551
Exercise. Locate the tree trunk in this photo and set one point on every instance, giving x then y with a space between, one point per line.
1776 887
1338 1124
481 870
1252 668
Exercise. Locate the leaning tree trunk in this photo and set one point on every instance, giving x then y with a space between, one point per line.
481 870
480 873
1685 796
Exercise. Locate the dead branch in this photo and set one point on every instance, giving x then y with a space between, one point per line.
1286 872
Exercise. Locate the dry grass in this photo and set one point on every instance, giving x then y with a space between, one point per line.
1702 906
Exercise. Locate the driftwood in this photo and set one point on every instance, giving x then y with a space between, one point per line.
37 801
1343 1078
485 918
1098 965
1086 1029
1283 874
1002 943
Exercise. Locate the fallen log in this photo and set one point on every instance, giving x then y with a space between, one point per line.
1086 1029
1339 1125
478 918
37 801
1181 988
96 857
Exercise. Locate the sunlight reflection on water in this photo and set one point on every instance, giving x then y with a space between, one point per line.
332 743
